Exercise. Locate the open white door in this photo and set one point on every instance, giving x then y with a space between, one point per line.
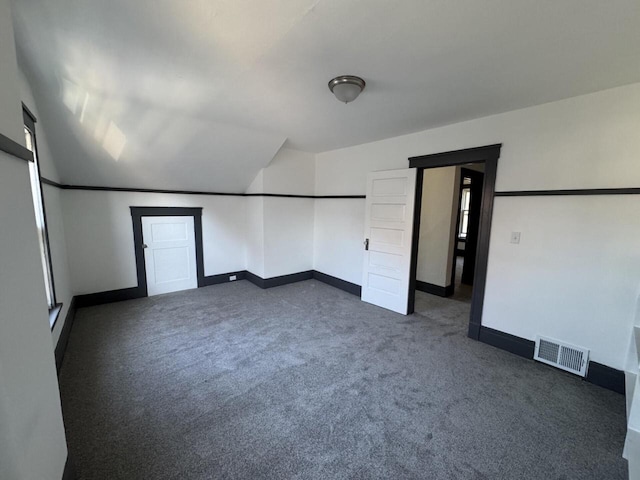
169 254
388 231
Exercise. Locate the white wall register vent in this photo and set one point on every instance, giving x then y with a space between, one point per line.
562 355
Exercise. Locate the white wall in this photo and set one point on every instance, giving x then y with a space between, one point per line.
288 235
99 235
338 238
10 108
291 172
32 438
438 216
268 236
589 141
575 275
255 236
280 240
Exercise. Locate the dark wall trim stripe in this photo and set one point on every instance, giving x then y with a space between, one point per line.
46 181
597 373
579 191
434 289
336 282
521 193
15 149
63 340
189 192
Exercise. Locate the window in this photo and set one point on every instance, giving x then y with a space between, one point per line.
465 199
38 206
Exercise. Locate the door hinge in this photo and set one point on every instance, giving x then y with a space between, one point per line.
366 244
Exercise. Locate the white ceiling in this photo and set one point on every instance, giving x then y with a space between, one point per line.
201 94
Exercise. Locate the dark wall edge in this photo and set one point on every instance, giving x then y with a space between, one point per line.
63 340
280 280
505 341
606 377
110 296
336 282
14 149
188 192
597 373
224 278
435 289
68 473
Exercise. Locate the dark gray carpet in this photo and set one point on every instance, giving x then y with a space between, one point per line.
307 382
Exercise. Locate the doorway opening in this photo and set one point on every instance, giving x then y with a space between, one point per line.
447 246
450 242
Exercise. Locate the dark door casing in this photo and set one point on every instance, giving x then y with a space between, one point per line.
475 204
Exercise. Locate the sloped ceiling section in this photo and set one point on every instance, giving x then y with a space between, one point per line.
201 94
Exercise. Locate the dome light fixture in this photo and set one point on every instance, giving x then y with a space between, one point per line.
346 88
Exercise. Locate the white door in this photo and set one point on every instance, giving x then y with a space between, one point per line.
388 231
169 254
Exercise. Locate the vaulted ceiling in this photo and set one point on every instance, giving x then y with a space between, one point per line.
201 94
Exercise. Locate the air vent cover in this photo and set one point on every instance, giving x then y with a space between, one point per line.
562 355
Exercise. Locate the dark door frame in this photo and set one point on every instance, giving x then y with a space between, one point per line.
474 221
488 154
136 216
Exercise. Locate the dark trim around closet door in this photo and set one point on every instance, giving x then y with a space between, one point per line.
136 216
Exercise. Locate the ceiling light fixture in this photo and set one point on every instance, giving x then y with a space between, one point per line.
346 88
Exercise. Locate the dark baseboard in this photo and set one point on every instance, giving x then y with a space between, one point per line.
505 341
224 278
278 281
597 373
434 289
336 282
606 377
100 298
63 340
69 473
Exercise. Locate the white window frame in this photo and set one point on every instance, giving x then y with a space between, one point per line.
40 214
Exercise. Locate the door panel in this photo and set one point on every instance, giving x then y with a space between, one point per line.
388 229
170 254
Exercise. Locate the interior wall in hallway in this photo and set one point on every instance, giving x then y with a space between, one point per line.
438 217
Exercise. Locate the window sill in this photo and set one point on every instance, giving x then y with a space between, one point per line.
54 312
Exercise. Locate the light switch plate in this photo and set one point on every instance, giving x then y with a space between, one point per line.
515 237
